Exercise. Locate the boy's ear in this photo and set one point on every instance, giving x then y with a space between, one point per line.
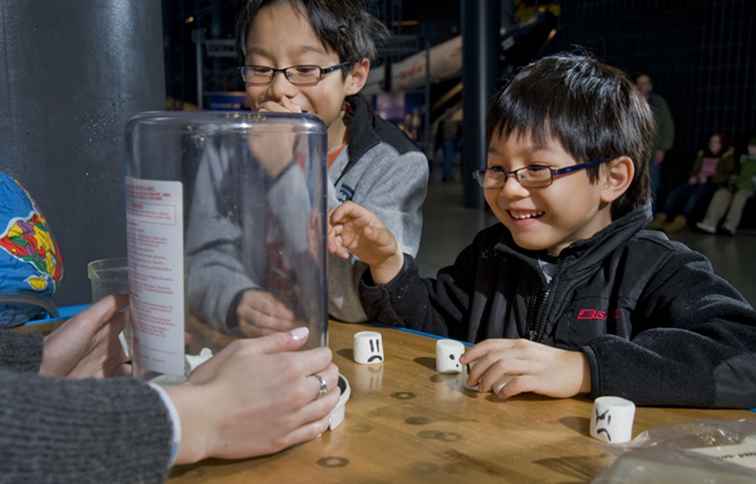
617 176
357 78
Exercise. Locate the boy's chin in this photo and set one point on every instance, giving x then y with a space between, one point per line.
534 244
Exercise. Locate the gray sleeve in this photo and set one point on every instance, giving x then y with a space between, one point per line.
396 194
56 430
20 352
289 201
394 190
216 272
218 268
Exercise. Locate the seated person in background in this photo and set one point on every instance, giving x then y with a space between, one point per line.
64 426
30 261
302 56
737 193
569 294
713 167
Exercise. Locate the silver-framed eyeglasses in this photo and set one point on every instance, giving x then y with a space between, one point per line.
299 75
531 176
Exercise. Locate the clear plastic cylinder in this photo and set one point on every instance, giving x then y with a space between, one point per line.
226 226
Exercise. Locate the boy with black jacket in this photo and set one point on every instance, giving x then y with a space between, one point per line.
569 294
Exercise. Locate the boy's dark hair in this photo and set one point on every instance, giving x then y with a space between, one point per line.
591 108
343 26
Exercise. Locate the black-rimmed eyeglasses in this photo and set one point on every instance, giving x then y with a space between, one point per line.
300 75
531 176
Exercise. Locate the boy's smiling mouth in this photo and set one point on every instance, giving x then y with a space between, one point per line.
525 214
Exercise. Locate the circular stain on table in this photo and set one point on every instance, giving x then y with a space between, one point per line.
450 437
403 395
333 461
442 436
429 434
417 420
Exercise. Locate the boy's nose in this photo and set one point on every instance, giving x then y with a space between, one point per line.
513 190
280 87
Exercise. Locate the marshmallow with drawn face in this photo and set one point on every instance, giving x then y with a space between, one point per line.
368 347
448 352
612 419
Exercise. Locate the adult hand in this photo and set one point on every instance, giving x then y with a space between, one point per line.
87 345
256 397
353 229
260 313
693 180
508 367
659 157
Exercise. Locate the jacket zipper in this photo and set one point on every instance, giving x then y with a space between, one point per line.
533 312
537 324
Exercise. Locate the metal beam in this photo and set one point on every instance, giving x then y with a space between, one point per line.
480 34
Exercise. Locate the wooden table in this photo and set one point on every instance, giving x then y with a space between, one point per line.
406 423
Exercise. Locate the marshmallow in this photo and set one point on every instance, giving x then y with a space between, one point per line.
368 347
448 352
612 419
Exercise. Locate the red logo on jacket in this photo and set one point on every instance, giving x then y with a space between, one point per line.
591 315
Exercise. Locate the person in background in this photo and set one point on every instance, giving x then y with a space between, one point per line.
31 265
731 200
665 130
712 169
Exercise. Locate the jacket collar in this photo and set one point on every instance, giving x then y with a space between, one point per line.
583 254
360 121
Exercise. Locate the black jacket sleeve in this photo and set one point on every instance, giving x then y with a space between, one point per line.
439 306
694 342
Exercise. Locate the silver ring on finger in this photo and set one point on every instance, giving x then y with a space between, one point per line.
323 391
498 388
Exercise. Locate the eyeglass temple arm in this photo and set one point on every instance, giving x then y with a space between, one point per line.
569 169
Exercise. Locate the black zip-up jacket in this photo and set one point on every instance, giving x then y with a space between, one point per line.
656 324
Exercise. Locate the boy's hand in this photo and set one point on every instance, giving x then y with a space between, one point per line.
259 314
87 345
508 367
355 230
285 106
274 152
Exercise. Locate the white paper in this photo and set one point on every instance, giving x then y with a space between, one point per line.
155 219
743 454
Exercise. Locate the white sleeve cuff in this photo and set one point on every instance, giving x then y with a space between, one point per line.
175 421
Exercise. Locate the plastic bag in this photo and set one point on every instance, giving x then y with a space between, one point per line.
711 451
